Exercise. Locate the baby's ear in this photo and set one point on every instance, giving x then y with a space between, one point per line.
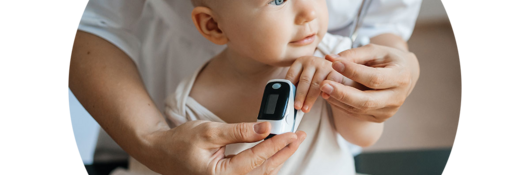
206 24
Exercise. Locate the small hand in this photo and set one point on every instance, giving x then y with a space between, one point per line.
377 80
308 73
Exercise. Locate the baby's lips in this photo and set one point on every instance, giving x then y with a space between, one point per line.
305 41
302 37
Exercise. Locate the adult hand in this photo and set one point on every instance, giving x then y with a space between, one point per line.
198 147
106 81
375 83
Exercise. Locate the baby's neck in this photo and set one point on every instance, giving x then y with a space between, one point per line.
232 67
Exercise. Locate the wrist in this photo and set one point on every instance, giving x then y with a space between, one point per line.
149 149
150 140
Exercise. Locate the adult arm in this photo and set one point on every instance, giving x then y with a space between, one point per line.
107 83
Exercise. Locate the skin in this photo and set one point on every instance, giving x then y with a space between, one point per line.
106 81
358 118
251 67
108 84
369 85
377 79
270 51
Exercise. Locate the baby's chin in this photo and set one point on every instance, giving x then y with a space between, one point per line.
289 60
301 52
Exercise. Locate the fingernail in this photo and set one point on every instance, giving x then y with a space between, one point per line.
338 66
325 95
303 137
306 108
327 89
334 56
260 128
297 105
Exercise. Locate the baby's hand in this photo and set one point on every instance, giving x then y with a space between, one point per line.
309 72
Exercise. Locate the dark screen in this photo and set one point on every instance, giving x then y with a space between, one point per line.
271 104
274 102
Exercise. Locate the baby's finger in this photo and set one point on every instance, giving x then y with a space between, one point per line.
294 72
304 84
314 89
336 77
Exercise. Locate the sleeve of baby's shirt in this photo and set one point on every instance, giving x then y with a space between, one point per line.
173 111
390 16
114 21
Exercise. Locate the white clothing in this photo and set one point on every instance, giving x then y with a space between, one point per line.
163 42
323 151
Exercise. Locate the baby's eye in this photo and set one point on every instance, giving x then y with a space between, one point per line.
277 2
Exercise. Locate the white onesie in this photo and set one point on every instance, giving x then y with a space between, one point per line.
323 151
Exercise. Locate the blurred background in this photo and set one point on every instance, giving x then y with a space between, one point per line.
429 117
417 140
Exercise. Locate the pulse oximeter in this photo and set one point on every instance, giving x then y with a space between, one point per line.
277 107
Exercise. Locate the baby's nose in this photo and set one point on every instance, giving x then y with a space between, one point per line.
305 12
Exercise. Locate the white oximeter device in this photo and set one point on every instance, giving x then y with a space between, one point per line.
277 107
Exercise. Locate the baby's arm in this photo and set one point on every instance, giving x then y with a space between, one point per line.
358 132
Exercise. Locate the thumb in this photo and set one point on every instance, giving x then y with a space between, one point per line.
242 132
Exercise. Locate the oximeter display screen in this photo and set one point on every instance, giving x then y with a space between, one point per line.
271 104
274 102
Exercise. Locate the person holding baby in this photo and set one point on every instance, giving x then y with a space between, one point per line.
210 107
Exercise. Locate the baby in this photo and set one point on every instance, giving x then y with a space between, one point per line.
278 39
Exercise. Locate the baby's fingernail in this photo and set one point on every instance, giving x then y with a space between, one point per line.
328 89
306 108
297 105
338 66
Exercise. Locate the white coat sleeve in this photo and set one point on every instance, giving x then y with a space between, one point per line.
390 16
114 21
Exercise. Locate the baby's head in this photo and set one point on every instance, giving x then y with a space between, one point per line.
272 32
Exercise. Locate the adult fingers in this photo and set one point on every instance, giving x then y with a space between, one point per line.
350 110
277 160
222 134
376 115
339 78
252 158
363 100
336 77
303 86
368 54
377 67
375 78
